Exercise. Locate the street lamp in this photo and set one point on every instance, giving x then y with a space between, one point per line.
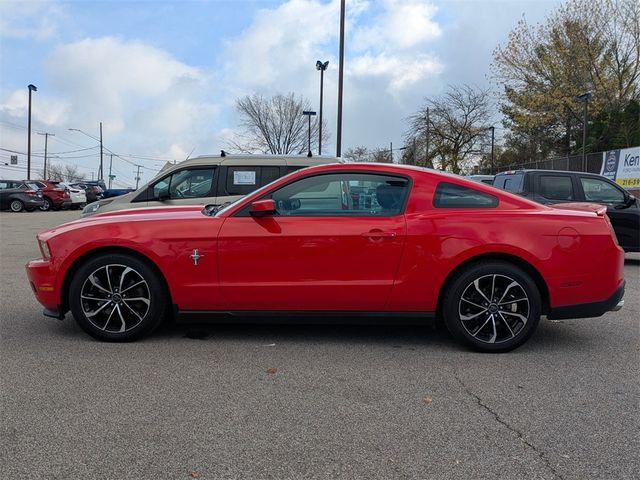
585 99
309 114
32 88
98 140
322 67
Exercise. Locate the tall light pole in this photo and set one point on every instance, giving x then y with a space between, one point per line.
46 137
309 114
322 67
584 98
340 78
32 88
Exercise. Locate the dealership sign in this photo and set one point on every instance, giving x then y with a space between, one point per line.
622 166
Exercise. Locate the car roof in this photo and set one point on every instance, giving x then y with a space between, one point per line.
541 170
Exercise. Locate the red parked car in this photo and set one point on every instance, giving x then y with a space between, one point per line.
55 196
364 240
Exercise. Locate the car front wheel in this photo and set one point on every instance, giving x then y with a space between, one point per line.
117 298
492 306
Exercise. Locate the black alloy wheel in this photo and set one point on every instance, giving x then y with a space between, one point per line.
118 298
492 306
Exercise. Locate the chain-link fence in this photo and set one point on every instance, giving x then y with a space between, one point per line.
574 163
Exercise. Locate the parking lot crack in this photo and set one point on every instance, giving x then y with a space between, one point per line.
508 426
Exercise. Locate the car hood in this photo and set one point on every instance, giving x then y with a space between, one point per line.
156 214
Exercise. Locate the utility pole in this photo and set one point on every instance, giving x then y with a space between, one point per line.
110 165
584 98
100 173
138 176
391 151
46 137
340 78
493 131
426 163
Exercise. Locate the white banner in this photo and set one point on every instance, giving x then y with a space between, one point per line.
622 166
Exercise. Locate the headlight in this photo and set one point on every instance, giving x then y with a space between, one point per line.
44 249
93 208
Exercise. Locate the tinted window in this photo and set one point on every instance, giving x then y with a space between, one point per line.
509 182
355 194
556 187
449 195
4 185
194 183
596 190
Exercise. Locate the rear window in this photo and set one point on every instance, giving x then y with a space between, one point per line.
450 195
511 182
244 180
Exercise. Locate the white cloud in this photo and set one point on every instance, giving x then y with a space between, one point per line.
387 61
30 19
403 24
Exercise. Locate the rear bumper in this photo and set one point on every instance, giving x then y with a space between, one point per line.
589 310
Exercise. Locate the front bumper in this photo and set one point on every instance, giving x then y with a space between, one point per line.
43 283
589 310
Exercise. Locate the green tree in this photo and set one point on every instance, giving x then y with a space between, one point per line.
585 46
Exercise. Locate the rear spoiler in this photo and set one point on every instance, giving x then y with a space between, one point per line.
596 208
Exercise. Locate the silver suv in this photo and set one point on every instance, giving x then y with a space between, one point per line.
208 180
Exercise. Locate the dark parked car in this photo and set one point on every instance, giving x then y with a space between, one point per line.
94 190
55 195
16 195
551 186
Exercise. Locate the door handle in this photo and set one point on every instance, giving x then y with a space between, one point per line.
379 234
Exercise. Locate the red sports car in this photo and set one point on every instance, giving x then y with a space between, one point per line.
357 240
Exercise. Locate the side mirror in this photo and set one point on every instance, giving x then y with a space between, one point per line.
263 208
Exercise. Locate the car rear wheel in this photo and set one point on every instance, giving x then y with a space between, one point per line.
46 206
117 298
492 306
16 206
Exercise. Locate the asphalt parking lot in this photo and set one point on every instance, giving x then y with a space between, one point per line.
344 402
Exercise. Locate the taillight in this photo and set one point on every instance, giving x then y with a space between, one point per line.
31 193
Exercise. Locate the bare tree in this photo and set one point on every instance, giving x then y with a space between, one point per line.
363 154
72 173
58 173
458 123
275 125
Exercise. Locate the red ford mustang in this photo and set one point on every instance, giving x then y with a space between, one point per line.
357 240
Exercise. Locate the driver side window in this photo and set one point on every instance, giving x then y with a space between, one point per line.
344 194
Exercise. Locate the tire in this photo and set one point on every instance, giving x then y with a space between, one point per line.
16 206
48 204
499 322
110 279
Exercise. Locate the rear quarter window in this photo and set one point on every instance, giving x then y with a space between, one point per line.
511 182
450 195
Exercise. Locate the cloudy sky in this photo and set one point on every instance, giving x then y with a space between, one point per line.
162 76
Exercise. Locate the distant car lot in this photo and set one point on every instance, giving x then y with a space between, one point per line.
349 402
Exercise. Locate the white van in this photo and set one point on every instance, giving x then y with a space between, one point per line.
208 180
